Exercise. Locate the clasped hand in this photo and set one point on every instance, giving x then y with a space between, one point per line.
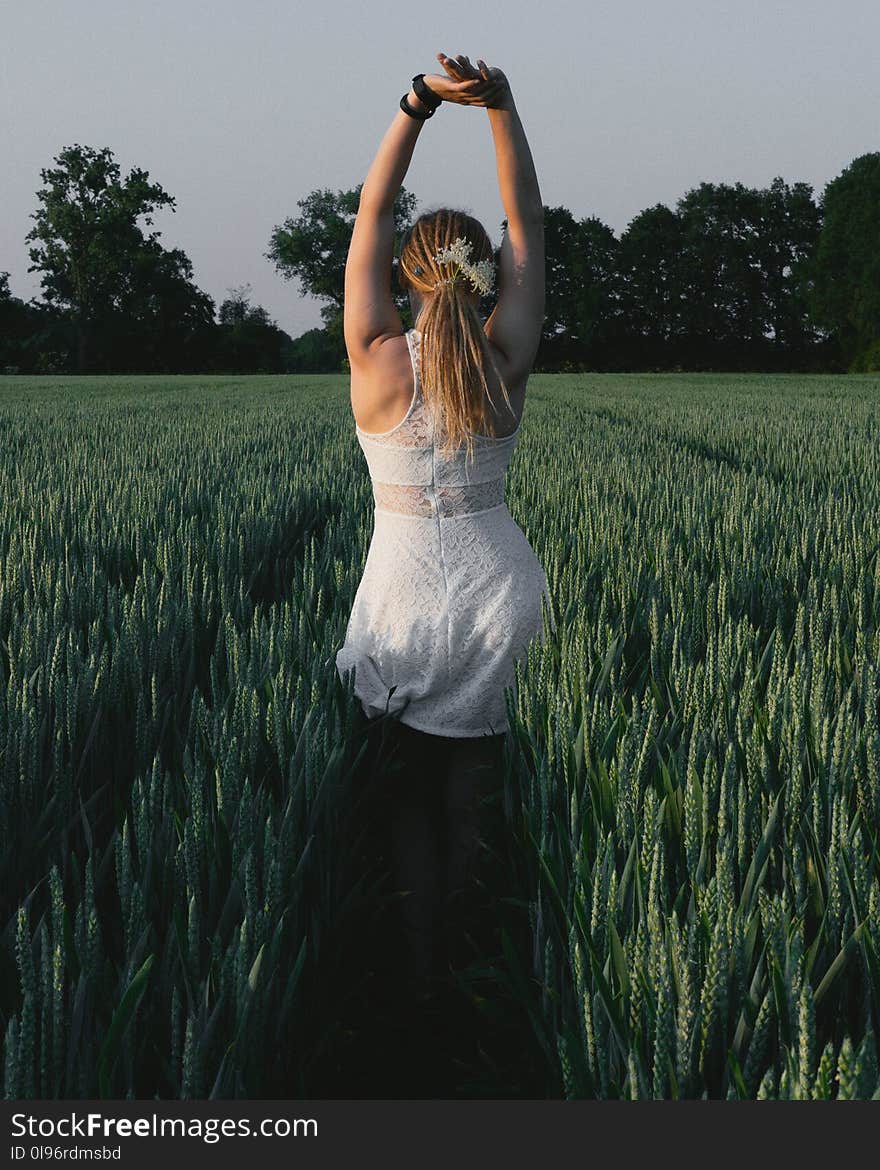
467 85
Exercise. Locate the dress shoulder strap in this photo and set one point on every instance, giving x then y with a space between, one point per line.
414 341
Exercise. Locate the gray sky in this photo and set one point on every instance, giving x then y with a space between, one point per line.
239 110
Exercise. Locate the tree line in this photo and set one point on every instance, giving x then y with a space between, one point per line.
731 278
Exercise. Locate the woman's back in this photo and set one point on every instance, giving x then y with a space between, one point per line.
411 473
452 591
381 394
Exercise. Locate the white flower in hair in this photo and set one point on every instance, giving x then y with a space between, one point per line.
481 275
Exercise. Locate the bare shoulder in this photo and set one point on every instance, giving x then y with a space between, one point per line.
382 387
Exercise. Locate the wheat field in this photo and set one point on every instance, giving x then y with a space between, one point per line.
691 794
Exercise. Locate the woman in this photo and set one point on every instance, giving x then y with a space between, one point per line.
451 592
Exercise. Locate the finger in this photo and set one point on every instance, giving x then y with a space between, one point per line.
480 97
448 66
484 95
449 63
475 88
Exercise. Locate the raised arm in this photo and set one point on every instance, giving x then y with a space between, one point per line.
514 326
370 314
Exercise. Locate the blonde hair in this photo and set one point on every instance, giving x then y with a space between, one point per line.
454 348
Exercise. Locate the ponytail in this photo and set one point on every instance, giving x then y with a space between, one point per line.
455 353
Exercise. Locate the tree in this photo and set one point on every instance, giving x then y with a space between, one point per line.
790 225
720 280
720 277
313 352
252 342
15 325
159 319
563 241
34 338
597 298
649 268
845 288
314 247
87 237
237 309
581 287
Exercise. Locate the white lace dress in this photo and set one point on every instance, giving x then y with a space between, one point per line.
451 590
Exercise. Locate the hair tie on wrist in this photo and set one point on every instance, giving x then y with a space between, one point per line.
407 109
424 93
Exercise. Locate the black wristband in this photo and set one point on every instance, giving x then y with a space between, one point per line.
424 93
407 109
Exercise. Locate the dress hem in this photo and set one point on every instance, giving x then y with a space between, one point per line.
447 733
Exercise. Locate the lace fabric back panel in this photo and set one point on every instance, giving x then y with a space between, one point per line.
451 590
412 478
